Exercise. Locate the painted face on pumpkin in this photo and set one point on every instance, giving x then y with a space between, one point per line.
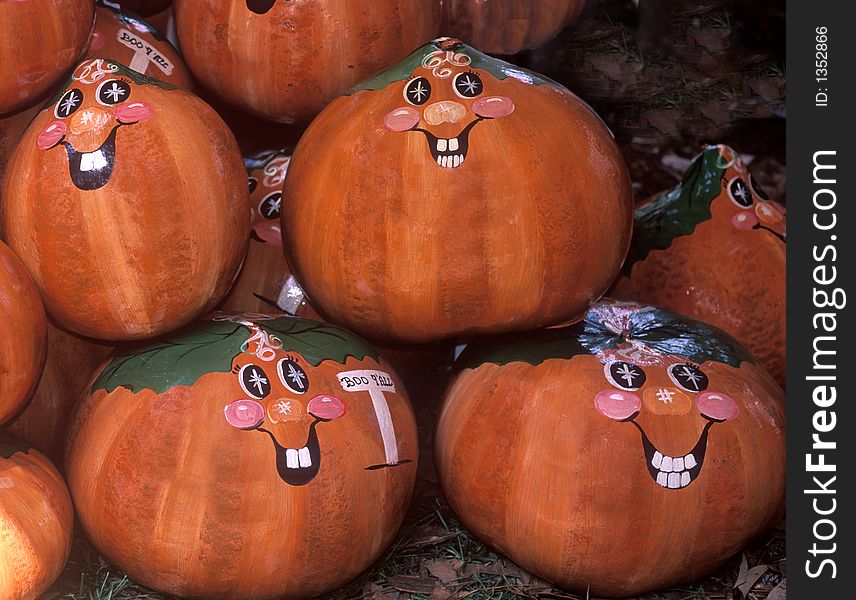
754 210
266 176
446 96
260 7
96 104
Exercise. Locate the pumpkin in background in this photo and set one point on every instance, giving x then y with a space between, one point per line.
713 249
146 227
508 26
239 457
12 127
36 520
455 194
22 335
144 8
285 60
71 363
42 39
631 451
130 41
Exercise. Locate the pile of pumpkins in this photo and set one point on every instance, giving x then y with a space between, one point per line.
184 328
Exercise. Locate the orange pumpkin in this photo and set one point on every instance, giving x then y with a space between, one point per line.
22 335
12 127
239 457
71 363
508 26
148 219
144 8
631 451
42 39
454 194
36 520
713 249
131 41
285 60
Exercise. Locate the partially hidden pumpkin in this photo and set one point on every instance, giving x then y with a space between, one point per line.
147 220
131 41
454 194
22 335
247 456
285 60
508 26
713 248
631 451
36 521
42 40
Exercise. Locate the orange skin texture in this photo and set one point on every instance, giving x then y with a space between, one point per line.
155 247
42 39
563 486
71 362
36 520
22 335
191 506
390 244
287 64
728 277
508 26
12 127
104 44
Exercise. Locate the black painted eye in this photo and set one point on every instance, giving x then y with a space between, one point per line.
625 375
740 193
688 377
113 91
293 376
757 188
467 85
417 91
68 104
254 381
270 205
253 183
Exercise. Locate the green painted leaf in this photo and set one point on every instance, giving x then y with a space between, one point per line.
662 331
677 212
120 69
10 444
209 346
258 161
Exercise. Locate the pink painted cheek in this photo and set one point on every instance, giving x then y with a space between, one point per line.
134 112
51 135
98 40
493 107
616 404
269 232
401 119
745 220
244 414
716 406
327 407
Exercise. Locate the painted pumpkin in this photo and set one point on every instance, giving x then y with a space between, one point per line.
240 456
285 60
71 363
628 452
12 127
36 520
147 220
22 335
454 194
508 26
42 39
713 249
144 8
130 41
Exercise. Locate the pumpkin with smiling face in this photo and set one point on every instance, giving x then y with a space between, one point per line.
454 194
42 39
635 429
238 457
713 249
126 201
283 60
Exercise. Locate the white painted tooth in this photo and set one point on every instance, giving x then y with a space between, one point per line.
304 458
666 465
291 459
462 158
689 461
86 162
439 162
657 460
678 464
456 160
453 144
441 145
447 160
662 479
685 479
674 481
99 161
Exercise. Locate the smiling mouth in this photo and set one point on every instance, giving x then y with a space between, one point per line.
260 7
298 466
92 170
764 227
674 472
449 152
